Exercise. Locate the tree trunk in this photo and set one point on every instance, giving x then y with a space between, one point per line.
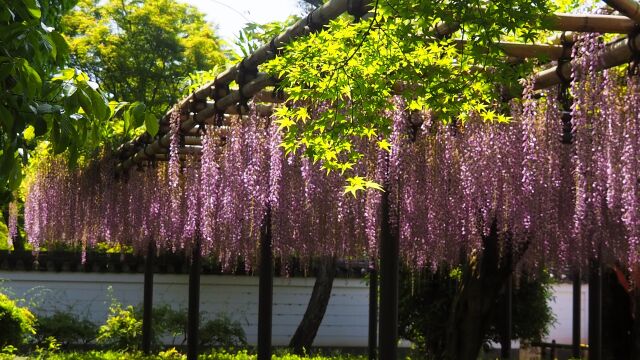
306 332
482 282
635 334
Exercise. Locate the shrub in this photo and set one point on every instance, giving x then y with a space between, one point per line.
16 323
65 327
122 329
222 332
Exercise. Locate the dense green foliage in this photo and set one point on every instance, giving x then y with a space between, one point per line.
38 99
354 68
66 327
172 354
16 323
123 328
141 50
425 309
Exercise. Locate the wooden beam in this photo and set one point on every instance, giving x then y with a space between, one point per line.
627 8
616 53
234 97
193 316
523 51
265 289
590 23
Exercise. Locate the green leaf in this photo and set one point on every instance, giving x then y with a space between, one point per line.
151 124
33 7
101 109
6 119
137 110
85 101
30 80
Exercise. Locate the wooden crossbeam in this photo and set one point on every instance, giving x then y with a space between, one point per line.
590 23
627 8
616 53
197 102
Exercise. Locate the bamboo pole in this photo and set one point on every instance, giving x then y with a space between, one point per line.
234 97
196 102
316 20
616 53
590 23
522 51
627 8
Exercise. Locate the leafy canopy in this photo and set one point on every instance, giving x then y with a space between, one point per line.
354 69
38 99
141 50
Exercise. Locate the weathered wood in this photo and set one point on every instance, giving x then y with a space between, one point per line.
389 283
595 310
522 51
265 290
373 314
616 53
147 303
234 97
627 8
193 321
590 23
576 313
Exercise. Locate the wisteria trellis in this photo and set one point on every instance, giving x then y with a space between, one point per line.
448 185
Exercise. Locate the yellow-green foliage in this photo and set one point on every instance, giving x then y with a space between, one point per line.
16 323
172 354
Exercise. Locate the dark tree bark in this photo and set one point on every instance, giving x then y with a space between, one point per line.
483 280
617 320
308 327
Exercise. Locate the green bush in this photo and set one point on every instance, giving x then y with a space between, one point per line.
172 354
17 323
222 332
122 329
66 328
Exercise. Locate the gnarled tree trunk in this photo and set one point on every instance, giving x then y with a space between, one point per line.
483 280
308 328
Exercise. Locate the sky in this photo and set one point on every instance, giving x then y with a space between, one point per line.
229 16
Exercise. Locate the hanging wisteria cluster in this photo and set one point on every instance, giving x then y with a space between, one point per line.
218 198
448 184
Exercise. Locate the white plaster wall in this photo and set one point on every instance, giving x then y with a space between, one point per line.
562 306
345 322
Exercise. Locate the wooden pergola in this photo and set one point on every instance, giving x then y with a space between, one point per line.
211 103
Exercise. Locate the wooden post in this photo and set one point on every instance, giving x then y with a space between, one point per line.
577 299
147 303
505 348
373 313
265 291
194 304
595 310
389 268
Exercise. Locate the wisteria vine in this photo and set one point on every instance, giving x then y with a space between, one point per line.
448 184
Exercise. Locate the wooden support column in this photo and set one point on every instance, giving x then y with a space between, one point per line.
265 291
577 299
505 348
595 310
389 268
147 302
193 319
373 313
